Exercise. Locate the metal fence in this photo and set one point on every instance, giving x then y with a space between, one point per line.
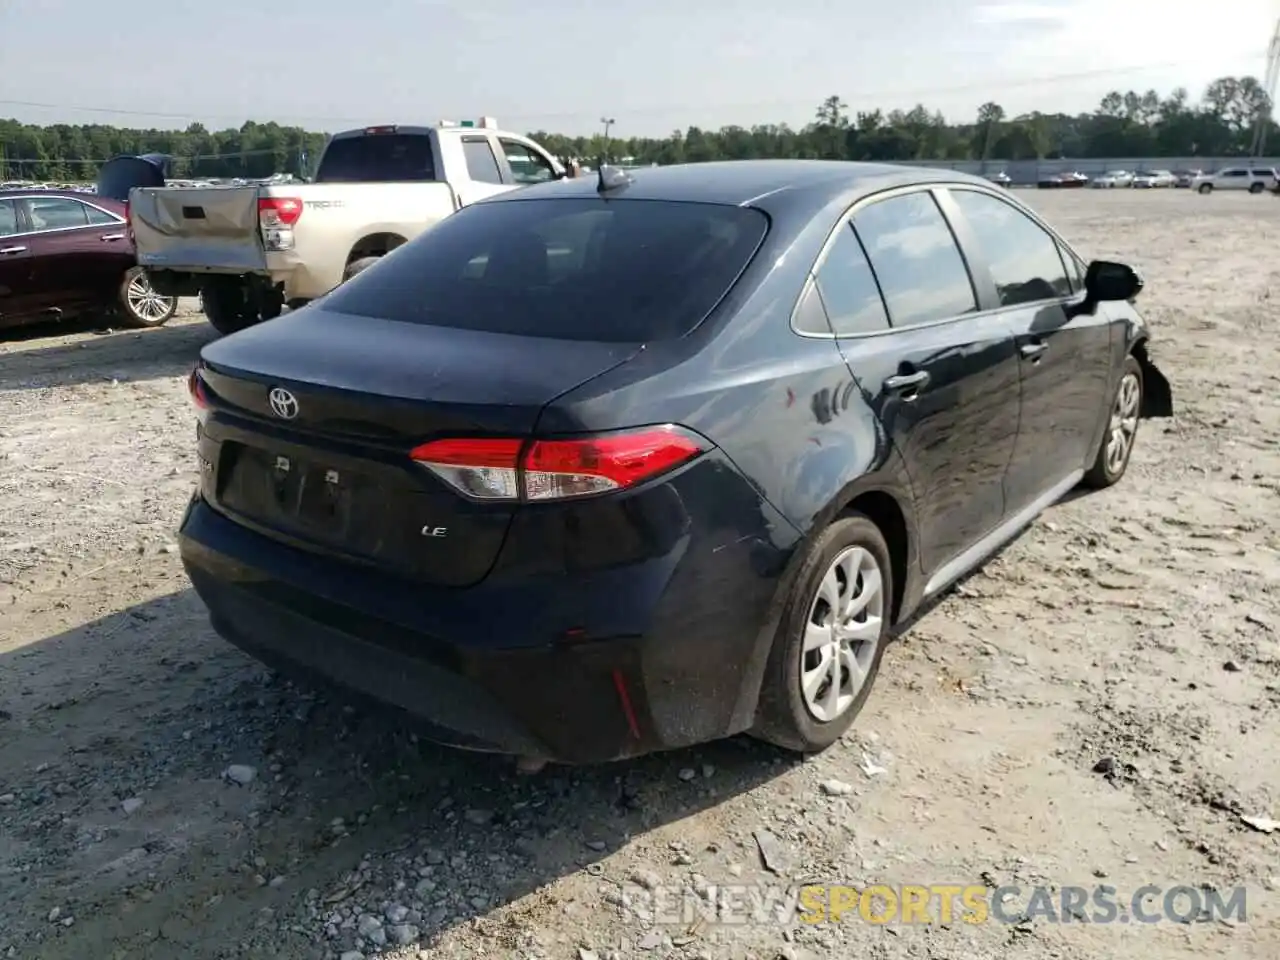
1032 171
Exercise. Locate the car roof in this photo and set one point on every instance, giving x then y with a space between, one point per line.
749 182
46 192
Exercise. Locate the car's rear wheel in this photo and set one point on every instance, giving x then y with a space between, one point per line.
830 640
1206 188
140 305
1114 452
1256 188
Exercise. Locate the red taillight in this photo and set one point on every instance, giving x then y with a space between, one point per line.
279 211
380 131
198 391
128 222
541 470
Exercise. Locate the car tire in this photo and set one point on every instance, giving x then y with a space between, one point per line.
1205 188
356 266
1123 416
139 305
797 710
1256 188
226 305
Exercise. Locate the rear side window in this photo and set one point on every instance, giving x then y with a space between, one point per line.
848 288
378 158
56 213
922 275
99 217
572 269
1023 259
8 218
482 165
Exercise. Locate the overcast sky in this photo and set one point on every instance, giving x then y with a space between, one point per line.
562 64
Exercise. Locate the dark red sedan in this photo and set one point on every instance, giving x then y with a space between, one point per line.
64 254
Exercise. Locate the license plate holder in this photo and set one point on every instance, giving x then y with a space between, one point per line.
324 498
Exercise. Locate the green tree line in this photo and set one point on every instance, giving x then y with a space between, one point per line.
1125 124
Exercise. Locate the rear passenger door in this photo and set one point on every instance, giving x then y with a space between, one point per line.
941 375
1064 356
81 251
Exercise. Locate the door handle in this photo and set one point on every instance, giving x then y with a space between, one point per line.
111 236
5 250
1034 349
905 382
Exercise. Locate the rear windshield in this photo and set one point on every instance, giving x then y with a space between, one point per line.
377 158
572 269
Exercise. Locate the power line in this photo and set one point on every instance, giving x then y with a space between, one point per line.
229 155
864 95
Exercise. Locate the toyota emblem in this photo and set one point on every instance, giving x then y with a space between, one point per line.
283 403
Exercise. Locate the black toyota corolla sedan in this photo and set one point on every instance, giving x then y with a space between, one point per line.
629 462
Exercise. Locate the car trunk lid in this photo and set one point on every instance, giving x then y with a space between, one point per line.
314 414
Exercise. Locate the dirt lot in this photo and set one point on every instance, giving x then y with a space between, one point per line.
1100 705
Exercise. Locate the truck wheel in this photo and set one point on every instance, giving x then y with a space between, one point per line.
355 266
1256 188
227 305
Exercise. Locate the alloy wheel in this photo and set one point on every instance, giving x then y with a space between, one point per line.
1124 423
841 634
144 303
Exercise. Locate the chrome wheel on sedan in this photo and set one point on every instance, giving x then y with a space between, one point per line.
833 633
842 634
1124 423
1112 459
140 304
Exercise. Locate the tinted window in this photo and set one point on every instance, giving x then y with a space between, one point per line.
848 288
577 269
377 158
56 213
482 165
8 218
921 273
99 217
1023 258
526 165
810 317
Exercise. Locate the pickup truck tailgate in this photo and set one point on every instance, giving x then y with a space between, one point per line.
211 229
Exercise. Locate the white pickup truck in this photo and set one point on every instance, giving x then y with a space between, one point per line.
249 251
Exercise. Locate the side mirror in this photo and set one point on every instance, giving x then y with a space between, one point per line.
1105 281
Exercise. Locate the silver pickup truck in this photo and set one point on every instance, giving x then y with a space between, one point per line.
249 251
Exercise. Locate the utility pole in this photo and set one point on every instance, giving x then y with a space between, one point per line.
1269 84
608 122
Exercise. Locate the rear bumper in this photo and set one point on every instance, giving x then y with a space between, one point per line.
460 661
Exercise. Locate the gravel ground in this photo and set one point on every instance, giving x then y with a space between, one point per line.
1098 705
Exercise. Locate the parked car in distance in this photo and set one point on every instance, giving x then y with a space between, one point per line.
627 463
1184 178
1001 179
1253 179
1112 179
1153 179
1059 181
251 250
66 253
